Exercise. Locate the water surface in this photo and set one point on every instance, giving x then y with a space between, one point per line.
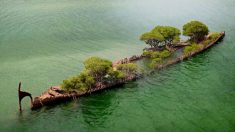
44 42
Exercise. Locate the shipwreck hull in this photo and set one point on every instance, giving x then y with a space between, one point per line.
55 94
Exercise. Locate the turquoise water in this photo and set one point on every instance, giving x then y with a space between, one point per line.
44 42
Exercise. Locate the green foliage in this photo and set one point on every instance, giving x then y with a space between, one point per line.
213 36
191 48
206 42
98 70
82 82
116 74
157 54
129 68
155 62
86 79
196 30
71 84
152 35
188 49
120 75
169 33
98 67
164 54
95 70
176 40
147 53
161 36
152 39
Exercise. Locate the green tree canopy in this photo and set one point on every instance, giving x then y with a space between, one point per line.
98 67
196 30
98 71
152 35
153 39
161 36
86 79
82 82
116 74
95 70
169 33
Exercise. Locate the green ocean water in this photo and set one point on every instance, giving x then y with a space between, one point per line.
43 42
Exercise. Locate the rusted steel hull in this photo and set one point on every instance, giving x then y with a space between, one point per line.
184 57
55 95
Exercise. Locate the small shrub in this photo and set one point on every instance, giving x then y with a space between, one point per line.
165 54
71 84
155 62
160 54
147 53
213 36
187 49
117 74
191 48
206 42
81 82
129 68
157 54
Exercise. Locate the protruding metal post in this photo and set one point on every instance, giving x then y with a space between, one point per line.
20 108
21 95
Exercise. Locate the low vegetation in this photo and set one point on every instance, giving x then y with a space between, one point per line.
81 82
193 47
98 71
129 68
165 49
156 56
210 38
155 62
162 38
